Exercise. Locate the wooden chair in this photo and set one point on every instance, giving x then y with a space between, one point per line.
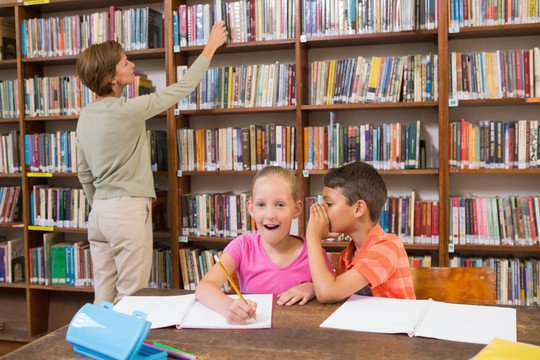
471 285
334 260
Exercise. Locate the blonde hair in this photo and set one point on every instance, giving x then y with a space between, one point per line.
285 174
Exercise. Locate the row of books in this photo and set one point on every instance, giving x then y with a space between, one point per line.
10 197
261 85
9 152
494 144
195 263
517 281
157 140
418 225
247 148
420 261
509 220
57 262
216 214
51 152
494 75
249 20
469 13
11 260
7 38
376 80
135 29
53 96
57 152
160 274
414 221
141 86
58 207
338 17
385 146
9 99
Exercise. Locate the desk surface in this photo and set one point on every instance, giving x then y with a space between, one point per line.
295 334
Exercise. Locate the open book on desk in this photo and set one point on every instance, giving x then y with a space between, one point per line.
184 311
456 322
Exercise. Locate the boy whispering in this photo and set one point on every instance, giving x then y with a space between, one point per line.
374 262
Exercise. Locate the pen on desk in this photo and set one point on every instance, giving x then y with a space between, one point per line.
232 282
179 354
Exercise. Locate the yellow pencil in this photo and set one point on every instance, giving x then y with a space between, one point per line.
216 259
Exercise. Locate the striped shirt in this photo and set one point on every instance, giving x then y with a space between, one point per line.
383 261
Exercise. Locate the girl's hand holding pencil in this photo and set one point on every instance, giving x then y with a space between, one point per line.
240 309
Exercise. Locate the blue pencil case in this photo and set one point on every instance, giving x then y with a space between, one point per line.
101 333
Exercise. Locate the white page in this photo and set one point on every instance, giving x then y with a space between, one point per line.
477 324
376 314
164 311
201 316
161 311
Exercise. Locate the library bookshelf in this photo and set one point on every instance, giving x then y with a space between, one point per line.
32 310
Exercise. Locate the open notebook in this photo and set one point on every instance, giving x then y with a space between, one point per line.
427 318
184 311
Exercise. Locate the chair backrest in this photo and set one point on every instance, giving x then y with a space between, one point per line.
334 260
470 285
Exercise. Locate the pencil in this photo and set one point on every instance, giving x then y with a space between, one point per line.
231 282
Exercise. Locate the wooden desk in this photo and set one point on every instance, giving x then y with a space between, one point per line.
295 334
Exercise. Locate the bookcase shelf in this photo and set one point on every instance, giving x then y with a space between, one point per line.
37 304
372 39
389 172
496 31
494 102
500 248
9 120
12 225
269 109
50 118
156 53
69 289
219 173
13 285
10 175
494 171
8 64
372 106
251 46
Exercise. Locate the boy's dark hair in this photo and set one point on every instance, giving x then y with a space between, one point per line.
97 65
359 181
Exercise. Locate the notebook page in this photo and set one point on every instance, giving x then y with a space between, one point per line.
376 314
162 311
202 317
477 324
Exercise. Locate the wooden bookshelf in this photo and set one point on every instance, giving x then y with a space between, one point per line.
39 309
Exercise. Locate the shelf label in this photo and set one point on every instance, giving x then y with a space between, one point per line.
179 173
303 39
39 174
176 112
183 239
176 48
305 173
451 247
453 102
40 228
453 29
36 2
